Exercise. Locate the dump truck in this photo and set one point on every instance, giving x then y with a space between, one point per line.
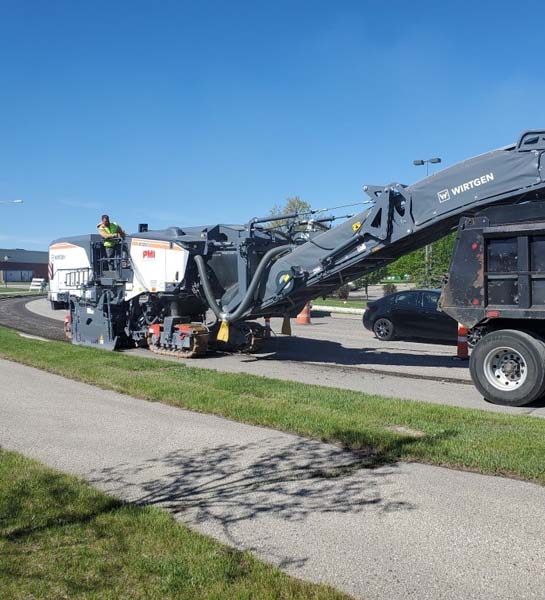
159 289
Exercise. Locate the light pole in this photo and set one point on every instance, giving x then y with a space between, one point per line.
427 250
420 162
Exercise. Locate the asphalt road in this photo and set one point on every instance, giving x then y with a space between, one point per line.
43 322
342 341
398 531
336 351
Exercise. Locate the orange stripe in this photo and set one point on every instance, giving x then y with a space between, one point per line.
62 245
155 244
150 244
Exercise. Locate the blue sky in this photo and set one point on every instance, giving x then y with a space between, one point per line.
186 113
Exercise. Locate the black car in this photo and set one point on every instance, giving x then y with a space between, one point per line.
410 314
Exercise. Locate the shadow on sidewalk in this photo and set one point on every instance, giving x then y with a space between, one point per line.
228 484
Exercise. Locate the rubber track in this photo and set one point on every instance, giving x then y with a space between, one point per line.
15 315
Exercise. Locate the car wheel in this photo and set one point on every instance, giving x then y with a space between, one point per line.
475 335
507 367
384 329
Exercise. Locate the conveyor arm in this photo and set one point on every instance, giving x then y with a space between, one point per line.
402 219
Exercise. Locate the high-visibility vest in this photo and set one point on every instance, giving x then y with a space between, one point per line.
112 228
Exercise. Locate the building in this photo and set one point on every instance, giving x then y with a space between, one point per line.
22 265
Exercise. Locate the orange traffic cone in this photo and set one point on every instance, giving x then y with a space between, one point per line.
463 350
303 318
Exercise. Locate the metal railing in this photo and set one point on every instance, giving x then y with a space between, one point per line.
108 266
75 278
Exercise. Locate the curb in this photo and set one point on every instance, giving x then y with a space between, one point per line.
11 297
338 309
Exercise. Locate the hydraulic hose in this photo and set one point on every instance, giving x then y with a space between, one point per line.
209 294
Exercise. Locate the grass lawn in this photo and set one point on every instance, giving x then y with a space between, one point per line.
381 429
350 303
60 538
13 289
11 292
17 290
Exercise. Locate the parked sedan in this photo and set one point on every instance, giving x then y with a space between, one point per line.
410 314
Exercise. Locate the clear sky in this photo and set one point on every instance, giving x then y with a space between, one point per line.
186 113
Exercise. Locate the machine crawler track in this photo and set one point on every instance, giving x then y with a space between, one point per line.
255 337
199 344
246 337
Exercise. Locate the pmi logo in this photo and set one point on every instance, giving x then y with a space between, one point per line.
148 255
443 195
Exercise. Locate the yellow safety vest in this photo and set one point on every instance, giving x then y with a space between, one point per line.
112 228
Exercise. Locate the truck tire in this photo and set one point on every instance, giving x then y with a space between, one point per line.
508 367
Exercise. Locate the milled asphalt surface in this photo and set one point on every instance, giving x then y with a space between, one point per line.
398 531
336 351
13 313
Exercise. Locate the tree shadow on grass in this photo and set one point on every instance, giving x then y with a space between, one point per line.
61 505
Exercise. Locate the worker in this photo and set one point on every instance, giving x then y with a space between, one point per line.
112 233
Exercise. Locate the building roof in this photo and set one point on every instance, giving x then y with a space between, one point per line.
17 255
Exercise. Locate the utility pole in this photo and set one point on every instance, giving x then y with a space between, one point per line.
428 249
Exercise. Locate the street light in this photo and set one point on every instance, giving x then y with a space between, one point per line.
11 202
420 163
428 248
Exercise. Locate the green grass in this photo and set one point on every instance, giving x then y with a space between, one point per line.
350 303
13 289
17 290
461 438
60 538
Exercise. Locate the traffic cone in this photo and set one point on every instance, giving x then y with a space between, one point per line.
463 350
303 318
68 326
267 327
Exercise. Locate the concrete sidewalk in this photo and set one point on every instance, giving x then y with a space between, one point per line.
399 531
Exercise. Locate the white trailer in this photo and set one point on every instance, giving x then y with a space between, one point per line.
69 268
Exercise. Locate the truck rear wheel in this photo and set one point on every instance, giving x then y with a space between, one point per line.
508 367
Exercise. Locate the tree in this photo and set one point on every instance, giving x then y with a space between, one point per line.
343 292
372 278
426 271
293 204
